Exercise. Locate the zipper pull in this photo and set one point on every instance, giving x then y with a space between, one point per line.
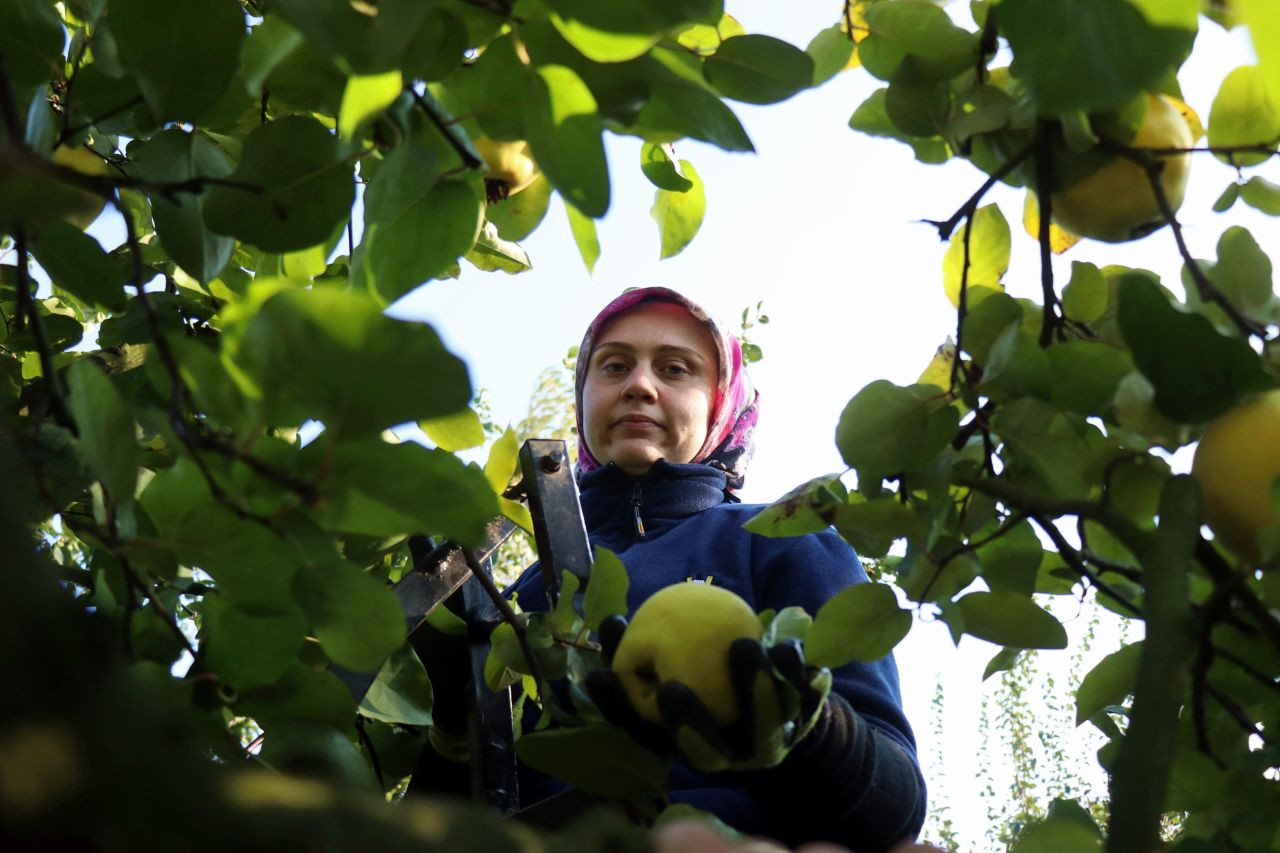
635 508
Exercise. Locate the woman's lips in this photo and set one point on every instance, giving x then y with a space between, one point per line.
636 422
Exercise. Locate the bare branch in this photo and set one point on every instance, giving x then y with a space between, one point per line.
508 615
969 207
1044 201
1073 559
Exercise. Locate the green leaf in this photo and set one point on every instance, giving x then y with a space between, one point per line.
564 615
1243 272
1058 835
378 37
1085 296
606 588
250 648
789 623
504 456
1003 661
381 489
517 216
831 50
758 69
108 435
365 97
301 693
677 109
915 40
1011 619
460 431
887 429
583 228
1043 442
415 227
491 252
269 43
356 617
679 214
183 55
988 255
872 118
402 692
1108 683
1243 113
808 508
862 623
1085 375
1262 194
31 39
1197 372
871 527
1113 52
601 760
302 188
1263 20
175 156
564 130
1011 562
625 29
336 355
76 263
659 165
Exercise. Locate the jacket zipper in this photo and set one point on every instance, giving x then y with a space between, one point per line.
635 508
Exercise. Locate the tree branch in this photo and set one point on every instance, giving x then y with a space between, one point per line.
1209 292
1222 573
1072 557
968 208
69 132
1044 203
1010 523
508 615
27 307
468 158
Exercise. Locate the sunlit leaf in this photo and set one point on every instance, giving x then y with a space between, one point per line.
1011 619
988 255
583 228
365 97
297 188
1244 114
679 213
607 586
759 69
863 623
564 130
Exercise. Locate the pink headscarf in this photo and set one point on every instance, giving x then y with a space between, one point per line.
734 407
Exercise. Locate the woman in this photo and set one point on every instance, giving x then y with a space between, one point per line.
665 414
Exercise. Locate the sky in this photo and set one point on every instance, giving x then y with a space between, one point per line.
824 225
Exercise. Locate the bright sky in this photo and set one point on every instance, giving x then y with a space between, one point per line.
823 225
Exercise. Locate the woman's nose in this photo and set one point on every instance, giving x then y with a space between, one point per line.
639 384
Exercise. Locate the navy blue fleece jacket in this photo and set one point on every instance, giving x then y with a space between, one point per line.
854 780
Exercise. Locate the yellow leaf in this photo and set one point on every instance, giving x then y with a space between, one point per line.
1059 239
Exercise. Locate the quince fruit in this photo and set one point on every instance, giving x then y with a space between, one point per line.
85 207
511 167
1115 202
683 633
1236 463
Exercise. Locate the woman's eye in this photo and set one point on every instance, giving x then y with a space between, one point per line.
614 367
676 369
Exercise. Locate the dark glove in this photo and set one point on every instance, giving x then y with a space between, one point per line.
779 700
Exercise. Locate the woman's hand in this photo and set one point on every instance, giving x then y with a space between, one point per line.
779 700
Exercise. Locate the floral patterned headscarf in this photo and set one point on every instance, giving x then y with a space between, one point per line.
734 407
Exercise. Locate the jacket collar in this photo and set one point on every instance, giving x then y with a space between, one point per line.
667 492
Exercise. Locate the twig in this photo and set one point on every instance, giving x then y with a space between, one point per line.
1044 203
69 132
1072 557
373 753
508 615
962 303
945 228
1246 667
1010 523
1221 573
9 108
168 618
1228 150
1208 291
1237 713
469 159
1200 675
27 307
977 422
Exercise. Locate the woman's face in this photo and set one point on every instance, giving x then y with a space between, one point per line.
649 388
